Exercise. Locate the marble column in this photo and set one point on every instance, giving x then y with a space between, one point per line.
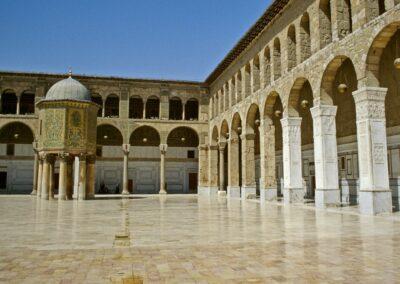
268 184
203 169
212 170
82 178
18 104
163 152
70 178
233 168
248 165
103 110
375 195
40 175
62 180
125 150
35 170
293 191
51 177
184 111
45 177
221 149
144 109
75 177
90 177
325 156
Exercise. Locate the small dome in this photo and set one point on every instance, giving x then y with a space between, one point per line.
68 89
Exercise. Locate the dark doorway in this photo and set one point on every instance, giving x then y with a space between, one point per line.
192 182
3 180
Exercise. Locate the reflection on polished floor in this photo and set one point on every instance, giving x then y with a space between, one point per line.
183 239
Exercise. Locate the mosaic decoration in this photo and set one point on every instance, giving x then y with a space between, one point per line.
54 128
76 129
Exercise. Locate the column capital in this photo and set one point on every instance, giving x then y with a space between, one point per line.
370 103
323 110
247 136
126 148
291 121
203 147
163 148
233 140
221 146
35 146
82 158
63 156
91 159
212 147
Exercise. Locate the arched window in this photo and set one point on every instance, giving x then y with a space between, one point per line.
96 98
112 106
246 80
255 74
192 110
135 107
291 47
239 87
277 59
305 38
175 108
153 108
381 7
8 102
27 103
325 23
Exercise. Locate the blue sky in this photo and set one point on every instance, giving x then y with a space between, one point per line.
175 39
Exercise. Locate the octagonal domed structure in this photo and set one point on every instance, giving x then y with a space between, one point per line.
68 89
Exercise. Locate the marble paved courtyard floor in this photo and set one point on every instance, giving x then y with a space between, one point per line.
183 239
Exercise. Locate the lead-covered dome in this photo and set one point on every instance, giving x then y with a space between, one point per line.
68 89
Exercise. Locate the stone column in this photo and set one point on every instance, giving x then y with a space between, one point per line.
45 177
40 175
268 185
325 156
18 104
293 191
203 169
248 166
70 178
125 150
103 110
144 109
183 111
212 170
221 150
82 178
375 195
51 177
163 151
62 181
35 169
233 168
75 176
90 178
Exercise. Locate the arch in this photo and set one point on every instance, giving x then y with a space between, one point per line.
153 108
27 103
247 80
272 114
224 134
16 133
252 118
192 109
294 99
236 125
232 90
112 106
135 107
183 137
145 136
305 37
96 98
175 108
267 66
325 23
239 88
375 52
291 47
277 59
108 135
344 18
9 102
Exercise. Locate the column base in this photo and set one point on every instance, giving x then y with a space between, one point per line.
233 191
375 202
62 198
162 192
125 193
268 194
34 192
327 197
221 193
207 191
248 191
293 195
90 196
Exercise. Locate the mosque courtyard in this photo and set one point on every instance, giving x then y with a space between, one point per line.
187 239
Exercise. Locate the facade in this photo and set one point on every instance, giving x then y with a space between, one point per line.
304 106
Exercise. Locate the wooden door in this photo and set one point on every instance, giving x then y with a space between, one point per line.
192 182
